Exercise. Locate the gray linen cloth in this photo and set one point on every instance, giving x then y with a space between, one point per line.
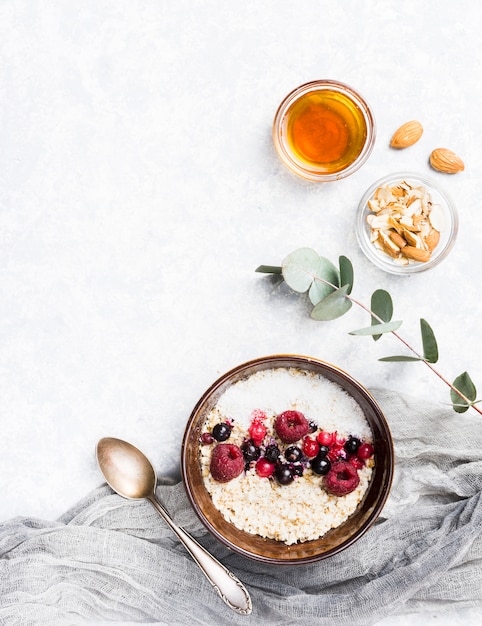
112 559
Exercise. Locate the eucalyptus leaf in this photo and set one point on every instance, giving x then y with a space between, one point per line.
382 306
430 349
393 359
326 280
346 273
378 328
299 268
269 269
465 385
333 306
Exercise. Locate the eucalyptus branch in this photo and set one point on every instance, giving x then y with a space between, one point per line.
329 290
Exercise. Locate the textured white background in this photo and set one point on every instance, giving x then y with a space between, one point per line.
139 190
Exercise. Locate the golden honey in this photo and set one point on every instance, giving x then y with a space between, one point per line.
324 130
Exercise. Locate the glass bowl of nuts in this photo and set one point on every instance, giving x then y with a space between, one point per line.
406 223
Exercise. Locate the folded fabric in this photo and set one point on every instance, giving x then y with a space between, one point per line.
112 559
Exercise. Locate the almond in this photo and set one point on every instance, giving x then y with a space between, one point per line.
446 161
408 134
397 239
416 254
432 239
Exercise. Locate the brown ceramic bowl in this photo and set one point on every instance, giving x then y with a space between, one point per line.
269 550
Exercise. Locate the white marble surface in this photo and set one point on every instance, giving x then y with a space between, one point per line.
139 190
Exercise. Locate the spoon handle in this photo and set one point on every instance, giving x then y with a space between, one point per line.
231 590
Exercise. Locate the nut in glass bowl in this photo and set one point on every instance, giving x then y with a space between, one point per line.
406 223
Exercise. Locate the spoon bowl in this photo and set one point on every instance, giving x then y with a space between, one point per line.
127 471
131 475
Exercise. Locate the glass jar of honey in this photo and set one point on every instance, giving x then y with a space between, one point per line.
324 130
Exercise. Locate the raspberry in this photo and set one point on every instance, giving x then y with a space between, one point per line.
264 468
341 479
291 426
365 451
310 447
227 462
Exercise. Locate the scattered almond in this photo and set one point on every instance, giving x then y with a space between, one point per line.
446 161
404 222
408 134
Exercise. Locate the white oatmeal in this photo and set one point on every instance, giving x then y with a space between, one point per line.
302 510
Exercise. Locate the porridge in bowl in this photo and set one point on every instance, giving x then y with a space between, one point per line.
286 454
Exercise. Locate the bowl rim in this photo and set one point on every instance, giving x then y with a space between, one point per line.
384 261
313 364
316 85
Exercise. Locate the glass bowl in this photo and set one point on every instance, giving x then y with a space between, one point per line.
324 130
269 550
443 215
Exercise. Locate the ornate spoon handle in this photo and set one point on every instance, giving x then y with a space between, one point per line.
231 590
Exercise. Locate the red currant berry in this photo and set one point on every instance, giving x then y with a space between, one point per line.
365 451
257 432
206 439
325 438
310 447
264 468
356 461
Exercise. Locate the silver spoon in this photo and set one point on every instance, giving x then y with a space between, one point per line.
131 475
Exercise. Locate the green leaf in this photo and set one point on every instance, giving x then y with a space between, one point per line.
268 269
381 305
465 385
430 350
333 306
378 329
299 269
325 281
393 359
346 273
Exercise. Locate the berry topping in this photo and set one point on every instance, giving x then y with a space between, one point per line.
291 426
250 451
365 451
227 462
293 454
352 444
297 469
324 438
313 426
207 438
222 431
337 448
272 453
356 461
320 465
257 429
310 447
323 451
264 468
283 474
341 479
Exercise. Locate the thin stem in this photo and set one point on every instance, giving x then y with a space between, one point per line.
408 346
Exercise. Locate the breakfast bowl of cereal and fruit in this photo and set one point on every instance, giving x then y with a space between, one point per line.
287 459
